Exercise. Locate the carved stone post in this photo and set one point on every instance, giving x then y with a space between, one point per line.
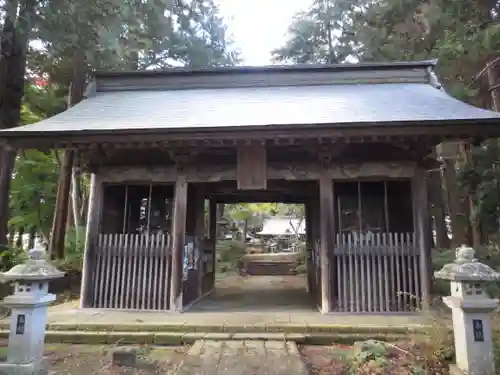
471 308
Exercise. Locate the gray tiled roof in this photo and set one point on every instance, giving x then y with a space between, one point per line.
258 106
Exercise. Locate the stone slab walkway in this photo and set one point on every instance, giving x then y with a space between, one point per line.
243 358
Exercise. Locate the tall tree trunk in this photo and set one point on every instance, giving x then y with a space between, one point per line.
495 105
69 217
57 235
13 44
75 198
438 208
454 203
473 219
56 245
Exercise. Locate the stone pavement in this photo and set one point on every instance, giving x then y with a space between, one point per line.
243 358
256 301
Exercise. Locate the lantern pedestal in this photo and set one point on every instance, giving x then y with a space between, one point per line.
29 304
471 312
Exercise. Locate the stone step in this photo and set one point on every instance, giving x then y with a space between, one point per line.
254 357
285 328
182 338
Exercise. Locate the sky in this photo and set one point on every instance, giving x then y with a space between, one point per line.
259 26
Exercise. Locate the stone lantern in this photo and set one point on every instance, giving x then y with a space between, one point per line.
28 303
471 308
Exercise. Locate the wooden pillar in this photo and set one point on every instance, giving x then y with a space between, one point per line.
422 235
178 239
315 220
327 234
200 235
213 233
309 247
91 234
56 244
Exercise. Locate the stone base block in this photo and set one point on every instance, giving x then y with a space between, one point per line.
454 370
124 357
33 368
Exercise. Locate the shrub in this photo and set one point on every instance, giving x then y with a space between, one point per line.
231 251
10 256
74 249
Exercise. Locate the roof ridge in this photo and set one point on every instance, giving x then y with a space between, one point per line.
245 69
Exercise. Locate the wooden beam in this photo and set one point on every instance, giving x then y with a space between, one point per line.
91 234
299 134
178 240
327 235
58 233
292 171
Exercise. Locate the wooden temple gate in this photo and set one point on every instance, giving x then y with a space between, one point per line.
373 261
350 142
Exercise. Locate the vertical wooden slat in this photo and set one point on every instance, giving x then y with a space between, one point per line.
339 259
394 272
356 274
109 272
362 280
147 272
167 253
399 285
123 272
416 276
162 285
369 272
404 261
130 264
116 270
351 273
411 274
144 266
105 268
98 271
381 249
107 277
135 272
386 280
373 271
345 274
154 287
